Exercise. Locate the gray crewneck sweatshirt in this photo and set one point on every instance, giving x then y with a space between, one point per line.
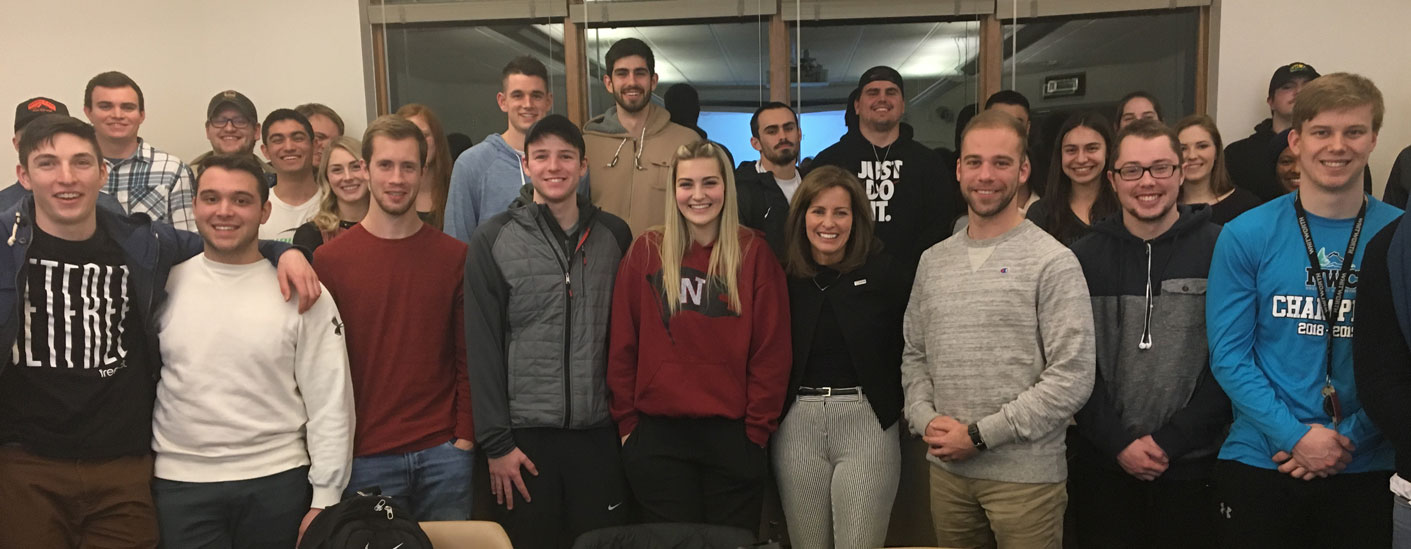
999 332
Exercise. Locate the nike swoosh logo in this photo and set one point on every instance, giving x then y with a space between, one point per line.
610 508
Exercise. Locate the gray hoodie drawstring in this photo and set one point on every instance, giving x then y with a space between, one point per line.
1145 342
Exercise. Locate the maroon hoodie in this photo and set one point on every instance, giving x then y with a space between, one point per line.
706 360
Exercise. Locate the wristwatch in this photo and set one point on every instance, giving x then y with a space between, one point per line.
975 439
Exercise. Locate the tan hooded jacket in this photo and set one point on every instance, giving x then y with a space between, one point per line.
628 174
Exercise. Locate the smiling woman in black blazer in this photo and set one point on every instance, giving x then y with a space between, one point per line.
836 454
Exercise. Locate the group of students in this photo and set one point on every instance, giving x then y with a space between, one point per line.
631 329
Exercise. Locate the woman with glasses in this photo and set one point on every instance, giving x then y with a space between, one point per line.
698 356
1077 195
344 173
837 456
1203 165
436 178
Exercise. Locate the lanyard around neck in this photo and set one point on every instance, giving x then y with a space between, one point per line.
1329 308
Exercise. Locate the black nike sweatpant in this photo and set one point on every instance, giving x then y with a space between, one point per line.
580 487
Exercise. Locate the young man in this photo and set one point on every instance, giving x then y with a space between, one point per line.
76 394
399 285
232 126
633 142
488 177
1016 105
327 125
1247 159
913 200
1143 458
143 178
28 111
1279 314
994 414
288 143
551 445
765 188
254 478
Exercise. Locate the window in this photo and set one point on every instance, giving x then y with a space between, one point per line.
455 69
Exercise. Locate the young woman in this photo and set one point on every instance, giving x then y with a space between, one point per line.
699 352
837 457
436 180
343 173
1284 162
1077 193
1137 105
1203 166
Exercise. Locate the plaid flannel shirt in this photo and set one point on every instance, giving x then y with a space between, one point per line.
155 183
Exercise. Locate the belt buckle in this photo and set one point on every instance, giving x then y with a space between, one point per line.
827 391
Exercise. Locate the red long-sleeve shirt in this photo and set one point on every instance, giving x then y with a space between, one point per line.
402 306
706 360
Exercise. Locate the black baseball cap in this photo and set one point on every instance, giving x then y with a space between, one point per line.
1289 72
33 108
881 72
234 99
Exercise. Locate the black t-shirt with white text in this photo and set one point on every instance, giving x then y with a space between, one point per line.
75 385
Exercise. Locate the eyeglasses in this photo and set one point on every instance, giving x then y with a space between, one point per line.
240 122
1134 172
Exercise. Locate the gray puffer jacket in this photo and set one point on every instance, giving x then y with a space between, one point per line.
536 320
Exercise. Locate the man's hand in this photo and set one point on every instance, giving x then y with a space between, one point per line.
505 477
304 525
1321 452
953 443
464 444
935 430
297 276
1144 459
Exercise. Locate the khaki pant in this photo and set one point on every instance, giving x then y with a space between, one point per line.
974 513
88 504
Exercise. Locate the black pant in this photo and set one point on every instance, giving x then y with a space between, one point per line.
255 513
1115 510
1265 508
579 488
700 470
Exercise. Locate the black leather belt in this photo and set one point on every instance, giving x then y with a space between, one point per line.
829 391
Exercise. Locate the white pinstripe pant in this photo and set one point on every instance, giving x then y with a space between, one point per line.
837 471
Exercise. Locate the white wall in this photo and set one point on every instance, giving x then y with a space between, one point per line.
1367 37
280 53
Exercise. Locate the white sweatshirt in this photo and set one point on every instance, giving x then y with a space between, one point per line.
250 387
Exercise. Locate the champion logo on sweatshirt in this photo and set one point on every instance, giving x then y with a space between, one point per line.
880 179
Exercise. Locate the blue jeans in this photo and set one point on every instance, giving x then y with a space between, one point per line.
434 484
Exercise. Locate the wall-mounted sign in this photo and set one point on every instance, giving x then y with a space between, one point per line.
1065 85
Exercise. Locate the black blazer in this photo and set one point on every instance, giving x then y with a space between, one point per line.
868 302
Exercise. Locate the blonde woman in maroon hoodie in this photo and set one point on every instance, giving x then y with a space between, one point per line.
698 364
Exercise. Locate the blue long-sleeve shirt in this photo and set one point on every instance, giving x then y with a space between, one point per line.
485 180
1266 333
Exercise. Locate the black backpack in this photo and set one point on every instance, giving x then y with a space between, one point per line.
365 521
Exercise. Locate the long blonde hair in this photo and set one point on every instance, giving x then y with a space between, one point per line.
328 217
729 251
